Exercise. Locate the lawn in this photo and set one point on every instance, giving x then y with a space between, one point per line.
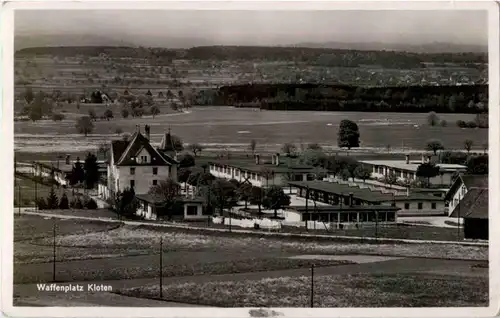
360 290
144 237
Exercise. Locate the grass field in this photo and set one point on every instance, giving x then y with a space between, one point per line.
225 127
27 190
363 290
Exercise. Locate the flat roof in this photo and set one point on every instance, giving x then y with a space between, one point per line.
412 166
151 199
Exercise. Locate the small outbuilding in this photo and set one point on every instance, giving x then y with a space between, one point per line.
473 208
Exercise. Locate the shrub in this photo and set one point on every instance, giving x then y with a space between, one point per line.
57 117
41 204
471 124
461 124
118 131
76 203
91 204
64 203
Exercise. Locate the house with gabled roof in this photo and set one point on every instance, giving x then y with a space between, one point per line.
473 209
461 186
136 164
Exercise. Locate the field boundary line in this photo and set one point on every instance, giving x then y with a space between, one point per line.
268 234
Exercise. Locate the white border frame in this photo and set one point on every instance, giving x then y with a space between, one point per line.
7 165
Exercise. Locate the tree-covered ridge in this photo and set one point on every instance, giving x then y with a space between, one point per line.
443 99
312 56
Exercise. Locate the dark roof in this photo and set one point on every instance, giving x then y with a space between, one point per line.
250 165
166 143
118 147
474 205
470 181
336 188
354 208
417 197
123 157
475 181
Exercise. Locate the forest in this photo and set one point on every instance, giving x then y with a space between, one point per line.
441 99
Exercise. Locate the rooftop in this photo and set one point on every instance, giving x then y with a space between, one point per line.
151 199
249 164
470 181
354 208
412 166
474 205
364 194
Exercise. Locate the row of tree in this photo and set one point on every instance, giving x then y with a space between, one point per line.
52 202
314 56
444 99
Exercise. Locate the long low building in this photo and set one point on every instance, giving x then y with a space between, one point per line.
407 169
342 194
262 173
345 215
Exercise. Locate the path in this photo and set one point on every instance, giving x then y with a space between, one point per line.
260 233
29 292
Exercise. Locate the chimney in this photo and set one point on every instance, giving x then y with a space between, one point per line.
147 131
277 159
408 191
423 158
273 160
351 199
257 159
67 159
428 159
407 159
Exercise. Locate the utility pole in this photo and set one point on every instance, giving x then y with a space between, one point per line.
36 193
307 204
161 267
312 285
54 254
19 198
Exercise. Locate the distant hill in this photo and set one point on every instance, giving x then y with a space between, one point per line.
435 47
28 41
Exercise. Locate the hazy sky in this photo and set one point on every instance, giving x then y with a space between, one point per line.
263 27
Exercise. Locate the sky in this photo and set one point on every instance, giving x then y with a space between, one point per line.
261 27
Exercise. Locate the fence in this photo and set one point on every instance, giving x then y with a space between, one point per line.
248 223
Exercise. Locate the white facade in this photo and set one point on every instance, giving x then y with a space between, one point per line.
457 197
240 174
408 171
141 178
415 207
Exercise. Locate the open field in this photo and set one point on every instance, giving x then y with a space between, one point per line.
128 257
359 290
221 128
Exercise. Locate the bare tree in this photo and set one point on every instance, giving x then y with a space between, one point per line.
195 148
468 145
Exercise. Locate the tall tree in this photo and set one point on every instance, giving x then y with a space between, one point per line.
348 135
391 178
91 169
275 198
432 119
434 146
125 203
222 194
468 145
477 165
244 192
52 201
28 95
361 172
77 173
427 171
155 111
84 125
168 193
195 148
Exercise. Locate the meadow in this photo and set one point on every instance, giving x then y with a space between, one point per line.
220 128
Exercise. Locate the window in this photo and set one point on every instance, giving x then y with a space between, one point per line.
155 182
144 158
192 210
407 206
132 171
420 205
155 171
132 183
433 206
